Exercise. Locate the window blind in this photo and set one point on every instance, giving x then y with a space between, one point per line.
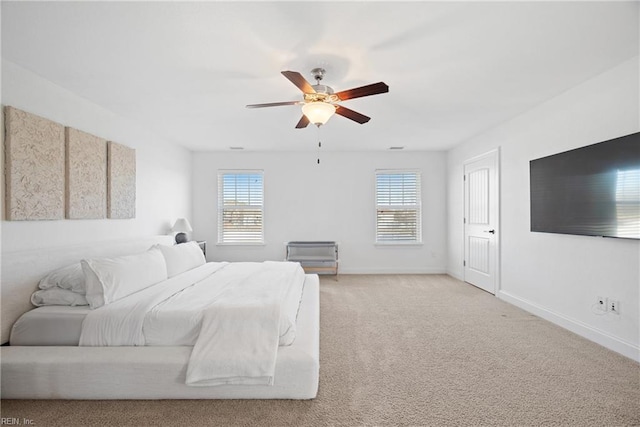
398 207
240 207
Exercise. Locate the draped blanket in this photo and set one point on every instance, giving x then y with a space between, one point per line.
234 314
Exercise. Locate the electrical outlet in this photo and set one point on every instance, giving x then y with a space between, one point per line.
601 304
614 306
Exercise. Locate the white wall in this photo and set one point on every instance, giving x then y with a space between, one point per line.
558 277
330 201
163 177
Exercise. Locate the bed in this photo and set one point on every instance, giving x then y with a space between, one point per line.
44 360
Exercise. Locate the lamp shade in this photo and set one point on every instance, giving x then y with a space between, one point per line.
318 112
182 226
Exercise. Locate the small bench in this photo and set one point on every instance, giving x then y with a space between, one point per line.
315 257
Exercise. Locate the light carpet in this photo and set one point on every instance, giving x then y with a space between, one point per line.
413 350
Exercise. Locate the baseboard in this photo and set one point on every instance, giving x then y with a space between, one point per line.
456 274
600 337
392 271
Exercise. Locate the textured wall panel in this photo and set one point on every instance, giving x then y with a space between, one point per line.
121 189
86 175
35 159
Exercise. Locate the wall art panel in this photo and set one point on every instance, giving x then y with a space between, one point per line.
86 175
34 167
121 187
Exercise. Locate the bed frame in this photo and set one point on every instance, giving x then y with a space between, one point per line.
132 372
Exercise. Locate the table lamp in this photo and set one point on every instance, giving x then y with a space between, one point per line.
182 227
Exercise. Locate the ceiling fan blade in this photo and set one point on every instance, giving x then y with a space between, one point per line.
274 104
297 79
353 115
372 89
303 123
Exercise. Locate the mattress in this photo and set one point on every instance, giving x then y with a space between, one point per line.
50 325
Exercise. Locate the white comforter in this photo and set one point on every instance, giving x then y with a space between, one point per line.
234 314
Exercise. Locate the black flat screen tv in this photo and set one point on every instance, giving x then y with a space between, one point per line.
592 190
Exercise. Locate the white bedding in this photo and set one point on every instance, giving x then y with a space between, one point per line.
153 372
214 295
49 325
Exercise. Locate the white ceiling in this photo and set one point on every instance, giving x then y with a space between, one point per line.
186 70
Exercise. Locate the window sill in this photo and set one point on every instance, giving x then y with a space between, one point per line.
398 244
241 244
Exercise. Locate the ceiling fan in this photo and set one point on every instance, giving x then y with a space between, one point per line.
320 102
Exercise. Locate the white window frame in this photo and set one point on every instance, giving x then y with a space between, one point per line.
390 207
222 207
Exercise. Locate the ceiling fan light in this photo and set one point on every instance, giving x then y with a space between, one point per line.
318 112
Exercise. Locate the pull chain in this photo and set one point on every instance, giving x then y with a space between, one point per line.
319 145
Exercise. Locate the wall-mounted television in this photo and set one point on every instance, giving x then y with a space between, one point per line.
592 190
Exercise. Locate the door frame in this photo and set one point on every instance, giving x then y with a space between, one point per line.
495 154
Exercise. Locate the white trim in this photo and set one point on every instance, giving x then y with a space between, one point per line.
241 244
599 337
428 270
494 153
456 274
220 208
398 243
394 171
498 285
241 171
418 207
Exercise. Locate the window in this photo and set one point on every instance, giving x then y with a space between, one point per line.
240 207
398 216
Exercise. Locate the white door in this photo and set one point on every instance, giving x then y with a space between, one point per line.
481 207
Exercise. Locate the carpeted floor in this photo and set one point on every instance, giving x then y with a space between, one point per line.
418 350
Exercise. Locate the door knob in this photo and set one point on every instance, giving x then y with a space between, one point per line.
490 231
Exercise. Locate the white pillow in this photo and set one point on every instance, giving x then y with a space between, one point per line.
182 257
69 277
109 279
57 296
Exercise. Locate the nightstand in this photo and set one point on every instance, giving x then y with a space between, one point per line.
203 246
